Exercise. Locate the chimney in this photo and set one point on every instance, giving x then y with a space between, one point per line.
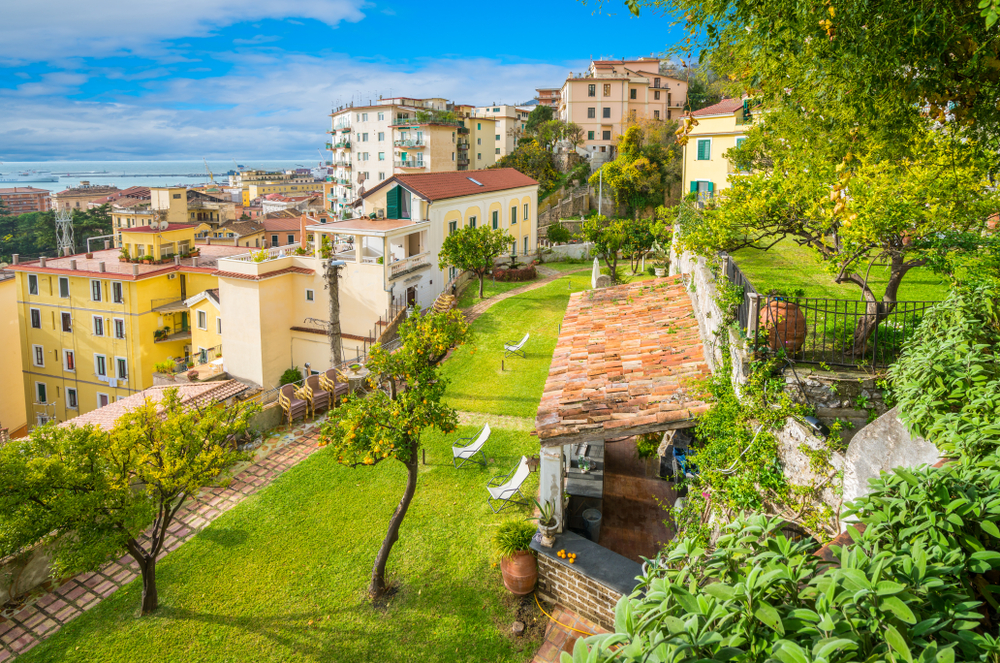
107 244
135 270
72 264
65 251
100 266
15 259
177 261
41 261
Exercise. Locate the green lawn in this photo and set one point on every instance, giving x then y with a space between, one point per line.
789 266
470 295
477 382
282 576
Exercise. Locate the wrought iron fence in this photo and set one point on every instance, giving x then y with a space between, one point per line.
739 279
198 358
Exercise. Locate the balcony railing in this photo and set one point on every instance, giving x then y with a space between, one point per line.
345 144
406 265
409 164
412 120
329 146
413 142
264 255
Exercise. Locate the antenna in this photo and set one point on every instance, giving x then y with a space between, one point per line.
64 232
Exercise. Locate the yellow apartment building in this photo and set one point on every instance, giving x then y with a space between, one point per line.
205 314
12 410
255 190
509 123
275 310
721 126
91 329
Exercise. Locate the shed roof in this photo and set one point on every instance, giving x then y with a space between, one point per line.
628 361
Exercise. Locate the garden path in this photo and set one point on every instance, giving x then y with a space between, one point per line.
549 275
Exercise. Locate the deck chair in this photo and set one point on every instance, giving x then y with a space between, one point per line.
503 489
515 349
291 403
467 454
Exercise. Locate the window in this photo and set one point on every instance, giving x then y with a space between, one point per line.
656 115
67 322
69 360
592 112
218 325
656 95
498 136
63 287
41 393
479 141
479 155
606 135
38 355
496 219
513 215
668 99
452 227
364 117
590 135
95 291
177 196
607 89
364 137
121 367
472 222
498 150
669 116
740 140
291 239
381 116
452 156
203 320
102 400
381 156
525 245
381 176
656 82
592 90
632 93
524 217
310 295
381 134
116 292
98 326
32 284
606 113
479 126
101 366
71 400
36 319
274 240
704 149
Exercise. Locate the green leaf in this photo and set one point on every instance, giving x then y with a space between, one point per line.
720 591
770 617
898 643
946 656
789 652
896 606
990 528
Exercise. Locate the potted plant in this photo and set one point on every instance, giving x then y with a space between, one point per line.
548 523
512 542
89 255
165 367
192 375
380 260
160 334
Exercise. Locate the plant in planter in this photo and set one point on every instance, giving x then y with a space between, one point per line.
165 367
89 255
518 565
192 375
548 523
161 333
380 260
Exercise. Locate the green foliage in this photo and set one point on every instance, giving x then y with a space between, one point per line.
647 163
647 445
533 160
512 536
539 115
557 233
474 250
33 233
762 597
947 382
164 367
290 376
579 174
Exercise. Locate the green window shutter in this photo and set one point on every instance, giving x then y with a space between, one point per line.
392 203
704 150
711 187
694 186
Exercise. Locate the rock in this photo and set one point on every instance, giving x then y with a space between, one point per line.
517 628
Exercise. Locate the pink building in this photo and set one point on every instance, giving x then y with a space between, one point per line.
611 93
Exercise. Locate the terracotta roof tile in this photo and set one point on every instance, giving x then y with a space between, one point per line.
274 224
724 106
261 277
438 186
628 361
150 229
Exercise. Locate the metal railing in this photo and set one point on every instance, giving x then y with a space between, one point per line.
412 142
342 144
408 264
409 164
739 279
198 358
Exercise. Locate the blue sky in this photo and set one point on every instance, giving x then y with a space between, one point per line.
182 79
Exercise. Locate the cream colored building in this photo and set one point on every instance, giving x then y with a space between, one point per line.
13 415
720 127
611 93
80 197
510 122
274 312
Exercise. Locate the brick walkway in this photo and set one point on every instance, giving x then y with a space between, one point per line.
551 275
559 639
45 613
496 420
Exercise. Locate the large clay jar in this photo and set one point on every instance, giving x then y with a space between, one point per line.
520 571
785 324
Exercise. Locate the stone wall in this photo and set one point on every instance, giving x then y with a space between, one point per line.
851 397
796 464
558 583
581 251
24 571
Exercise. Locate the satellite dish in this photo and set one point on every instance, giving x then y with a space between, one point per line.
163 225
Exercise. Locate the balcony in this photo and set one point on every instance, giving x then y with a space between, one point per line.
168 305
342 144
409 164
430 120
408 265
182 335
329 146
416 142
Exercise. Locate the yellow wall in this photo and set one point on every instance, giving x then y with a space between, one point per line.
723 131
154 242
254 191
12 410
209 337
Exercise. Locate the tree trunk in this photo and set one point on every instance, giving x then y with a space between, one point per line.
482 279
336 342
876 311
150 599
377 586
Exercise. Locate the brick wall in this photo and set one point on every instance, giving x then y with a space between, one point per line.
559 583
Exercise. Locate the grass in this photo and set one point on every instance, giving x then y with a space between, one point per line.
478 384
281 577
789 266
491 288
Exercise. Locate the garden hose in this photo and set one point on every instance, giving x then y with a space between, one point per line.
554 619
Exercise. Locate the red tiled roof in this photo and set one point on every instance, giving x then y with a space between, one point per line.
150 229
137 192
190 394
22 189
261 277
724 106
273 224
627 362
438 186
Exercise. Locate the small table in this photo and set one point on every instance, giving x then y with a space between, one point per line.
356 378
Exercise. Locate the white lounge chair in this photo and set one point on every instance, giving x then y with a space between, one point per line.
466 454
503 489
512 349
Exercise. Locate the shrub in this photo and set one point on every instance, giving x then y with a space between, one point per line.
164 367
648 445
513 536
290 376
527 273
557 233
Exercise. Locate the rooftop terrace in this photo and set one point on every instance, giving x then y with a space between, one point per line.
107 262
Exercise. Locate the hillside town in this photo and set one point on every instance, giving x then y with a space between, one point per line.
669 361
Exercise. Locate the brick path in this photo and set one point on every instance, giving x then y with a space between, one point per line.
551 275
45 613
496 420
561 639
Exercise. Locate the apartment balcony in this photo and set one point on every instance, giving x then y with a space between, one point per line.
168 305
343 181
430 120
329 146
344 129
182 335
410 143
342 164
463 162
407 265
409 164
343 145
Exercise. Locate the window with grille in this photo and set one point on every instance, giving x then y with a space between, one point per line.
67 322
36 319
69 360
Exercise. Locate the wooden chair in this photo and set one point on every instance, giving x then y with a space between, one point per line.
329 381
291 403
314 392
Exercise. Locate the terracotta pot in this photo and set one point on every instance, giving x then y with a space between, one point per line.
520 571
785 324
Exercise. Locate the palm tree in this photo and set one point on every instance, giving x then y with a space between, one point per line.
333 285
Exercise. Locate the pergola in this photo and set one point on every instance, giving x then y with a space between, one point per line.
629 361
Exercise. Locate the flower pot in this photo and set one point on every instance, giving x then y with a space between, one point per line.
90 256
785 324
549 532
520 572
660 271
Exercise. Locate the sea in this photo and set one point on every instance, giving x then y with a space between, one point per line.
124 174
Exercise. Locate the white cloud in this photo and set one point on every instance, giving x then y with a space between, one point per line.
42 31
267 107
